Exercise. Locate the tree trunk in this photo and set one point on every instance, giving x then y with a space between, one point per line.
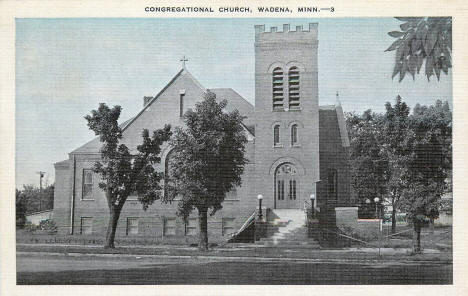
203 233
393 220
431 231
111 228
417 237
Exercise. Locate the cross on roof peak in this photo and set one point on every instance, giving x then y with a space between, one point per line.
338 103
183 60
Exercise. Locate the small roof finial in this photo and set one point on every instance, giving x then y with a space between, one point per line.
338 103
183 60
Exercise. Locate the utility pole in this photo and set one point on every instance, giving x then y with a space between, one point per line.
41 175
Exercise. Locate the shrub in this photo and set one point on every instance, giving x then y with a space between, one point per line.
28 226
48 225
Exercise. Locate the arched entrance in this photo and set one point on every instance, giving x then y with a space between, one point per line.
286 187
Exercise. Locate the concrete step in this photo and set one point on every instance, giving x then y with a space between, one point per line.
287 241
292 246
289 230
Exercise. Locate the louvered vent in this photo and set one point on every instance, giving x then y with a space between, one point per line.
278 90
294 91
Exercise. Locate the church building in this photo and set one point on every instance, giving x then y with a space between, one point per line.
297 149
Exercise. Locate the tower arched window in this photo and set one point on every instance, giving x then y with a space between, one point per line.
278 89
276 135
294 134
294 88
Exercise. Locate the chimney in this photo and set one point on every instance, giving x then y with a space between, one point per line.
146 100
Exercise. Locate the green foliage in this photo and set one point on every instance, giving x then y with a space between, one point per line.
207 159
20 209
431 163
31 199
404 158
48 225
368 162
446 206
45 225
123 173
421 201
422 40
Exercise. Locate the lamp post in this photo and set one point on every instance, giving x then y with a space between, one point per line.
312 202
260 214
376 200
367 207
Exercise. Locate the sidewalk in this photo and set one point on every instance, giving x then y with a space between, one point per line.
245 252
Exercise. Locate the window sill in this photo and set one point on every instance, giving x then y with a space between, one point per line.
87 199
278 146
296 109
296 146
287 110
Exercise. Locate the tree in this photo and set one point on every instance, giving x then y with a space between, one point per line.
430 165
207 161
35 199
379 153
121 172
397 148
422 40
20 209
368 165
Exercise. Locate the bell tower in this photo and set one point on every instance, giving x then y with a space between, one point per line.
287 114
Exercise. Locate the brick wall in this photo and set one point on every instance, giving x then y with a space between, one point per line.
286 49
347 221
332 156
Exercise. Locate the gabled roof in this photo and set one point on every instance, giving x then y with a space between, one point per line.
94 145
337 110
183 71
235 101
62 163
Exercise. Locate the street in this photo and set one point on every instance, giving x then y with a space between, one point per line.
34 269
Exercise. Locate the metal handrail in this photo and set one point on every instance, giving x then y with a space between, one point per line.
306 205
349 237
398 233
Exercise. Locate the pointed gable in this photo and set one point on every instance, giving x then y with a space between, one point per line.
160 110
236 102
164 108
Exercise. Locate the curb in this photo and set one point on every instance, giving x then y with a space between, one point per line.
245 259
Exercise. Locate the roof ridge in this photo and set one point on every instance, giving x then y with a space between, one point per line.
234 92
182 71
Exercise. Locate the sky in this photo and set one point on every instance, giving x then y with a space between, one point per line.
66 67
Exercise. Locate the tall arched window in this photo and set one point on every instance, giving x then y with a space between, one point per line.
332 184
276 135
293 80
293 134
167 173
278 92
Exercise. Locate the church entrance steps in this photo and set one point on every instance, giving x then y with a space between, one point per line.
287 228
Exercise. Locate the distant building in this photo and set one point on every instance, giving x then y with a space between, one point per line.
37 217
446 211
